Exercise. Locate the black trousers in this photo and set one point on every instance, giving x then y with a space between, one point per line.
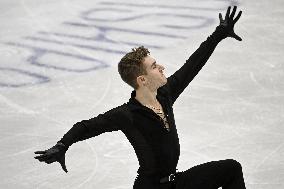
211 175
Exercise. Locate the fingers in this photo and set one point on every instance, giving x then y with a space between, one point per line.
233 12
40 152
42 157
62 163
228 13
64 167
46 159
50 156
220 17
233 35
238 16
237 37
228 16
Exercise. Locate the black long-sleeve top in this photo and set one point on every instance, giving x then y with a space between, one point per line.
157 149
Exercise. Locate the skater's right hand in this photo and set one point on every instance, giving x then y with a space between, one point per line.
55 153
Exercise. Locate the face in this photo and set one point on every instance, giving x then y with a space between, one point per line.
155 77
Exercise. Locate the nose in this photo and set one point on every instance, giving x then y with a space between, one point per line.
161 67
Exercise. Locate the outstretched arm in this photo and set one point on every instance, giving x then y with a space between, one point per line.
107 122
177 82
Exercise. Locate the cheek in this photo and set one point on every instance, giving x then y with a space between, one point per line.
155 77
153 80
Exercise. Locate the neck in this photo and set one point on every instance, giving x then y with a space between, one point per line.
146 97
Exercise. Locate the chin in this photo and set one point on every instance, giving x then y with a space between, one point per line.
165 82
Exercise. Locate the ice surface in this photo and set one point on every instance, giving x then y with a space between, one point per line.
59 66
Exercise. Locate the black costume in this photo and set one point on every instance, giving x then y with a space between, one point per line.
157 148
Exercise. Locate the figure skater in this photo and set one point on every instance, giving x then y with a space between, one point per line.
147 120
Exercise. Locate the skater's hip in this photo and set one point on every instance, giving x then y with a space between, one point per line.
155 181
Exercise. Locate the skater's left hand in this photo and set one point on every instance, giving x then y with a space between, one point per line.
228 24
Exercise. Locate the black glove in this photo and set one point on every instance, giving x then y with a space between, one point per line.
227 26
55 153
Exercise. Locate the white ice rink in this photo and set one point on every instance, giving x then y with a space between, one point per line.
59 66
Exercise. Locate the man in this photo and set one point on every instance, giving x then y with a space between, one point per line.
147 120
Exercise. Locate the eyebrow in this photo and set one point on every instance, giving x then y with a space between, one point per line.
153 64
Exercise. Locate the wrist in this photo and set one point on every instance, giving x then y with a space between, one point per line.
220 33
61 145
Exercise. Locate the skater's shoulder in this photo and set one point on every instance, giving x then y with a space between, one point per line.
121 109
121 112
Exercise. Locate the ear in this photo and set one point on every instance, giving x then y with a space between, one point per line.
140 80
